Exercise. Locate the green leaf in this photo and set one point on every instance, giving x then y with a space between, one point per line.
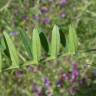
72 40
12 50
44 42
62 38
36 46
0 61
27 42
2 42
55 42
6 51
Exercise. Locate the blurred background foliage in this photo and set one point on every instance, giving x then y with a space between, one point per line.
24 15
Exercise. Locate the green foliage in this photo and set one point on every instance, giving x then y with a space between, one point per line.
2 43
36 46
55 42
62 38
12 51
44 42
27 42
0 61
25 15
72 44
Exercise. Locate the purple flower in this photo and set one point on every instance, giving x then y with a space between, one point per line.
63 2
59 84
37 18
66 76
44 10
62 15
63 77
75 75
24 17
83 81
36 89
75 66
75 72
13 33
47 82
46 21
19 74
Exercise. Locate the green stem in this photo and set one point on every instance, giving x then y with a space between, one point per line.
5 6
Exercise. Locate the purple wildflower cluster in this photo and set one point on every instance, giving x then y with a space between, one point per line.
46 11
48 85
62 15
71 78
37 90
45 90
63 2
13 33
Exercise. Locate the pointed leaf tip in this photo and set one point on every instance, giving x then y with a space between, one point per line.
12 50
36 45
55 42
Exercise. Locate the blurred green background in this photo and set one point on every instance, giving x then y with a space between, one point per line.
24 15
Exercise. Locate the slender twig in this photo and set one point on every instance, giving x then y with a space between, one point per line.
50 59
5 6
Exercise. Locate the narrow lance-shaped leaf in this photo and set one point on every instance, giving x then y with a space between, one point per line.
27 42
55 42
36 46
44 42
2 42
12 51
4 47
0 61
75 38
72 40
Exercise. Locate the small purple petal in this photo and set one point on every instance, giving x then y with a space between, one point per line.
63 2
66 76
14 33
24 17
59 83
83 81
75 75
44 10
19 74
46 21
37 18
62 15
75 66
47 82
36 89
